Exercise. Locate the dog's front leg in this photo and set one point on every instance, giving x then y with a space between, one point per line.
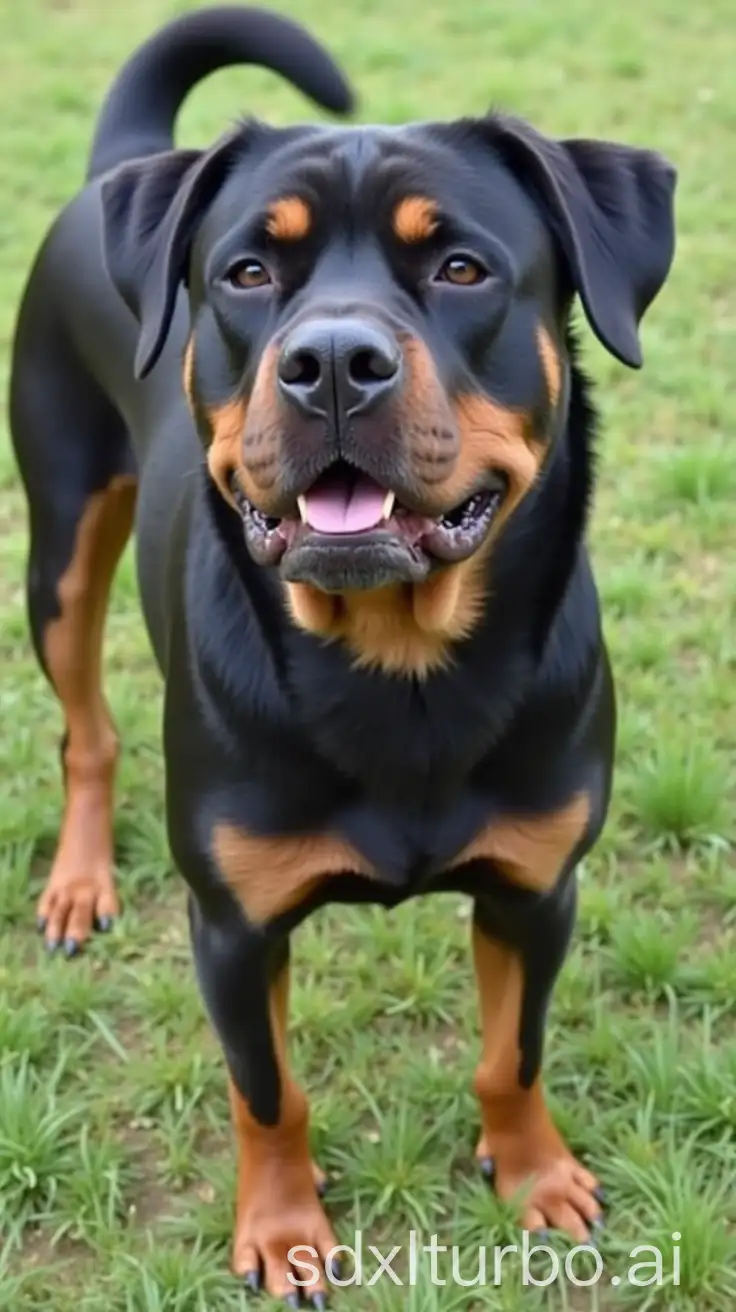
244 976
520 1148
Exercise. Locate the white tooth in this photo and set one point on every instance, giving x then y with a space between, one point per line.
388 505
302 504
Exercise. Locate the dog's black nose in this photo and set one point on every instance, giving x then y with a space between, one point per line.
343 365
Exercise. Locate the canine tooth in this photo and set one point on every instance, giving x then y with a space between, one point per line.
302 504
388 505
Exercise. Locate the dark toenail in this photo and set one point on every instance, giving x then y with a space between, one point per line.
253 1280
41 923
103 924
71 947
322 1188
540 1234
334 1269
292 1300
599 1194
487 1167
598 1223
319 1300
52 944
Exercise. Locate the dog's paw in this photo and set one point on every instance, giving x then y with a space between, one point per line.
75 902
553 1190
283 1239
321 1183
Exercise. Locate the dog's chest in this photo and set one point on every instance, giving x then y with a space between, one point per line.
528 849
367 855
409 750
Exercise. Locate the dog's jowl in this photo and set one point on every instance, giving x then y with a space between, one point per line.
337 365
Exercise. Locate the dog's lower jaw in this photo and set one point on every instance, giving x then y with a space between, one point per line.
339 563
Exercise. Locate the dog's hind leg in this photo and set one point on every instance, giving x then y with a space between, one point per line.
75 459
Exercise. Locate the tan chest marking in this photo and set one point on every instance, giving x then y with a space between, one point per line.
270 876
531 851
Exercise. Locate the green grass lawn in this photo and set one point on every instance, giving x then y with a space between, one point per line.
116 1165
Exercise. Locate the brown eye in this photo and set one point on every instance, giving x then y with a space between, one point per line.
250 274
462 271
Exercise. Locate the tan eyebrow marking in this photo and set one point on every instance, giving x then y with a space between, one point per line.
415 218
289 219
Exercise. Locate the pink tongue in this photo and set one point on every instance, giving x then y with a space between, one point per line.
340 506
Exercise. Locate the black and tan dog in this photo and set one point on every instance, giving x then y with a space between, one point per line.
338 366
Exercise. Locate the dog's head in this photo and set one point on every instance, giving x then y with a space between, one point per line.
377 363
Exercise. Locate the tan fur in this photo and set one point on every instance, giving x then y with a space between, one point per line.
532 851
289 219
277 1206
448 605
311 609
187 373
404 630
550 362
270 876
532 1164
245 439
224 455
493 437
500 980
415 219
81 883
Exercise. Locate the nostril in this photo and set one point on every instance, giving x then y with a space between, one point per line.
300 368
372 366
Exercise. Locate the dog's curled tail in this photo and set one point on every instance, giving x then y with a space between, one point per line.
140 110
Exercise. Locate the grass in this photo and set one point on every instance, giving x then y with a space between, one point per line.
116 1166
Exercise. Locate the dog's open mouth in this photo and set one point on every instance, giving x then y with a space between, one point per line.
347 510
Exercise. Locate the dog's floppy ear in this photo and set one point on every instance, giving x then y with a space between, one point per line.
150 209
611 207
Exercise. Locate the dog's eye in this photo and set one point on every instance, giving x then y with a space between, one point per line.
249 274
462 271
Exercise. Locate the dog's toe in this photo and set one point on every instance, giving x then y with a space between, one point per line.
487 1168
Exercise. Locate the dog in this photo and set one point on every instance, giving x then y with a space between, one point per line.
337 366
